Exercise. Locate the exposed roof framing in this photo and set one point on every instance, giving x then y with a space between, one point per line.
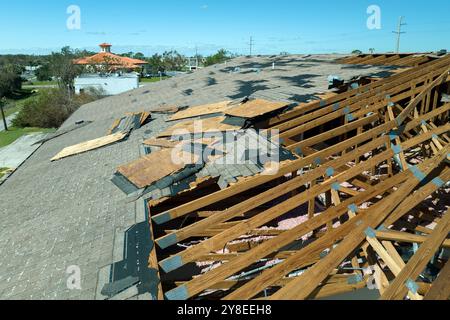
371 157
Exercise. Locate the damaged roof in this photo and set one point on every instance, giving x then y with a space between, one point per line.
64 213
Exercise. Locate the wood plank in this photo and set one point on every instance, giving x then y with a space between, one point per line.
266 196
293 262
412 105
200 283
418 262
308 281
255 108
90 145
209 125
440 289
398 236
142 172
392 263
192 112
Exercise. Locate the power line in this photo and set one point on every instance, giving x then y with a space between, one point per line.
399 32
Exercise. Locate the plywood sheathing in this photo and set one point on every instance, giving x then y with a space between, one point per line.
208 125
255 108
155 166
219 107
90 145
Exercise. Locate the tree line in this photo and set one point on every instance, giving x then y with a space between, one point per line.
59 65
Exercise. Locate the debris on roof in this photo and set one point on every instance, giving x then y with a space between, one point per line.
255 108
350 185
131 121
209 125
362 176
219 107
90 145
120 129
142 172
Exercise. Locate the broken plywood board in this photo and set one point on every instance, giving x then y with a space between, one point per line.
210 125
90 145
155 166
219 107
255 108
164 143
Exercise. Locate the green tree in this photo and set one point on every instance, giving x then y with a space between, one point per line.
173 61
356 52
128 54
155 64
51 108
139 56
44 73
220 57
10 79
63 68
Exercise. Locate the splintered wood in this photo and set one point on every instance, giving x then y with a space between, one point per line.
366 204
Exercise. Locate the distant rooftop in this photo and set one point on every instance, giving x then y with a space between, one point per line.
105 57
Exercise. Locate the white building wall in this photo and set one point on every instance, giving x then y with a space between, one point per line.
111 84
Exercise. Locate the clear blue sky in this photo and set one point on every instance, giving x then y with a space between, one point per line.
295 26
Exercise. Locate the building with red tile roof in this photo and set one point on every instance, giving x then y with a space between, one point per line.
105 57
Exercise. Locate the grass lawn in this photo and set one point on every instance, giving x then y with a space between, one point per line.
155 79
8 137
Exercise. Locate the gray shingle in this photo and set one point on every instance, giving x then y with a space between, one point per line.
69 199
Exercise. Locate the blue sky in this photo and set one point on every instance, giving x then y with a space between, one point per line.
294 26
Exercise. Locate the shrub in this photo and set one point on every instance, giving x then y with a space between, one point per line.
50 108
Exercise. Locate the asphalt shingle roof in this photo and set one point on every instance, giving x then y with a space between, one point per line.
57 214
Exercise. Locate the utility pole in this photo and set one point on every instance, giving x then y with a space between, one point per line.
3 114
196 57
251 45
399 32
